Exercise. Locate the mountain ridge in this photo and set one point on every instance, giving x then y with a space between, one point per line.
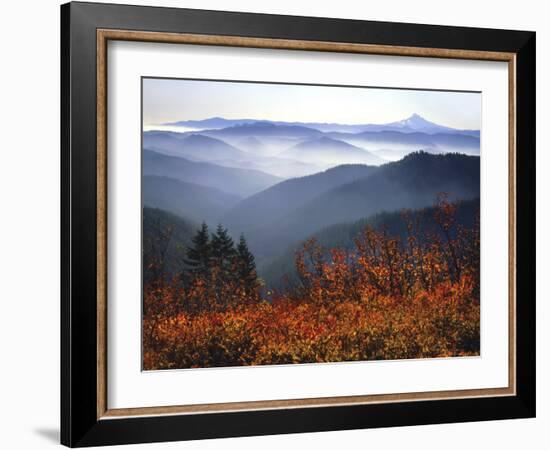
241 182
413 182
278 200
329 150
195 146
195 202
414 122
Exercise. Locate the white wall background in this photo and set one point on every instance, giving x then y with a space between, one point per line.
29 224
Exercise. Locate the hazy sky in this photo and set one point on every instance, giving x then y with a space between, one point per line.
174 100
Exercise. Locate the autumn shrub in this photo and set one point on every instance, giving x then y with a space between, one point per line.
390 297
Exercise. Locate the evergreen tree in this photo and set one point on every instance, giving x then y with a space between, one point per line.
199 255
223 251
246 269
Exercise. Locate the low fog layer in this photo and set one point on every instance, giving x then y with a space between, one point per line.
291 150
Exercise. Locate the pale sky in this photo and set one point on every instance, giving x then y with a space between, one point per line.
171 100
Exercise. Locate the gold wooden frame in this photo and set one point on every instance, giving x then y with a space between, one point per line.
103 36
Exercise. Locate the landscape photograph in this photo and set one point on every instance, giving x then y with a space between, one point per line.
293 224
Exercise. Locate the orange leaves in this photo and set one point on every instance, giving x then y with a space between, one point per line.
442 323
445 211
389 298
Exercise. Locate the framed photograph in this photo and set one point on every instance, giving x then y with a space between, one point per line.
276 224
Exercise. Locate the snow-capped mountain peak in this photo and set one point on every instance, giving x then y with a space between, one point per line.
418 123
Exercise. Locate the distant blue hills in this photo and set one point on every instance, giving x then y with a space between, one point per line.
295 149
414 123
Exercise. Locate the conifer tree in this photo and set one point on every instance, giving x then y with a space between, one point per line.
199 255
222 247
246 268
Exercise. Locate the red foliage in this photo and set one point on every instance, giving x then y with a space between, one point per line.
390 298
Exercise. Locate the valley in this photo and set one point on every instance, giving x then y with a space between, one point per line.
279 183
